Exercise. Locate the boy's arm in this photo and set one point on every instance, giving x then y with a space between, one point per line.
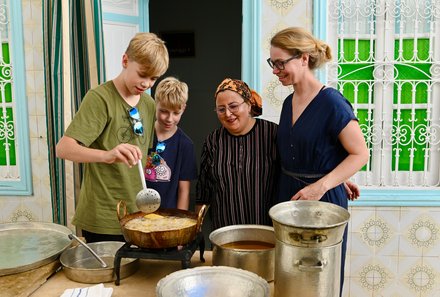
69 149
183 194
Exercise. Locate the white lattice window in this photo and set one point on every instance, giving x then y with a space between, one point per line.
388 67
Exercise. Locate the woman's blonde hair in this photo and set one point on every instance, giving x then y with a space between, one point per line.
150 52
171 93
298 41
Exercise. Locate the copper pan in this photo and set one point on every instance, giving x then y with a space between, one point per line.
160 239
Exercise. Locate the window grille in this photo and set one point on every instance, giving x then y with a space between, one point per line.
387 65
8 159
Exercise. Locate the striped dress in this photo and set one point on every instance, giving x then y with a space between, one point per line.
238 175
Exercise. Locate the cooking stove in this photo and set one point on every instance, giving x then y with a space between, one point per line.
184 254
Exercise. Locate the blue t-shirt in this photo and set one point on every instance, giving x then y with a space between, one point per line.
177 162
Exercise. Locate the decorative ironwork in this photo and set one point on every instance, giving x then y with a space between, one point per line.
388 67
8 157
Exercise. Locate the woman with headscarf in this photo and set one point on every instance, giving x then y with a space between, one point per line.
239 164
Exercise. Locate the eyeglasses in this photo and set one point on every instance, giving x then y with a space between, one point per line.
136 121
233 108
160 147
280 64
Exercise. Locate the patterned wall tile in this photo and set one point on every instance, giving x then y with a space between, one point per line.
21 212
275 93
375 232
389 242
357 289
360 247
40 108
405 274
358 216
421 278
424 234
39 81
374 277
41 127
282 7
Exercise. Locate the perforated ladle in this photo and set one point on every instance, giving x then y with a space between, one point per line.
147 200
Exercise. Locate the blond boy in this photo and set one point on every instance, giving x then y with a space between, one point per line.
171 164
111 131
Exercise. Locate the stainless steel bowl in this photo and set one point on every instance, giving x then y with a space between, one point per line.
259 261
212 281
80 266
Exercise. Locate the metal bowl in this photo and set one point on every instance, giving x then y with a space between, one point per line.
80 266
257 256
212 282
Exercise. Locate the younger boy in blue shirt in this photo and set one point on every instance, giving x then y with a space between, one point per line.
171 163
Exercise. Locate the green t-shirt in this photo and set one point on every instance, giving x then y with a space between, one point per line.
102 122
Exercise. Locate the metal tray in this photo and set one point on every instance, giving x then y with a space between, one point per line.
28 245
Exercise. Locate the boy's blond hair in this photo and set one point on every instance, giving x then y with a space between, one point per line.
150 52
171 93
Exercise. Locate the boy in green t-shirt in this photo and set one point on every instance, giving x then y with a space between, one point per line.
111 131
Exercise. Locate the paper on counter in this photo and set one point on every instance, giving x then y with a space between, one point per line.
94 291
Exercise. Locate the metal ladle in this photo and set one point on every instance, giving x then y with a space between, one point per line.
147 200
103 264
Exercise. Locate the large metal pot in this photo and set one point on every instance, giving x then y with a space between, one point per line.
258 256
309 238
79 264
160 239
309 223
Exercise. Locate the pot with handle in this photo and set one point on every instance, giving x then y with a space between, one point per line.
308 245
164 238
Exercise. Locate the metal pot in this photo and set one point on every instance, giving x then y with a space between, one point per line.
309 223
259 261
160 239
80 266
308 247
307 272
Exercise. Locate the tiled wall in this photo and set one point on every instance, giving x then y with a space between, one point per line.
392 251
37 207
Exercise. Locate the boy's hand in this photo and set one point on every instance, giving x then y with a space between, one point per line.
126 153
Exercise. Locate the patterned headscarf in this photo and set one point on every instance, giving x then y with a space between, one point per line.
244 91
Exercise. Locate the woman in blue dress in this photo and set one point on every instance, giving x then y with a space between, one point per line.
319 139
